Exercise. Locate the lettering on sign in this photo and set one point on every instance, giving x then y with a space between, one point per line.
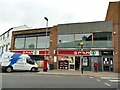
82 53
27 52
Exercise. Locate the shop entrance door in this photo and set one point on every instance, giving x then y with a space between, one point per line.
77 63
107 64
93 59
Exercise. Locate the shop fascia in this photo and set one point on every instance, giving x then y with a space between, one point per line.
60 52
78 52
32 52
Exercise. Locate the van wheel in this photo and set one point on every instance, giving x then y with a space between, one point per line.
9 69
33 69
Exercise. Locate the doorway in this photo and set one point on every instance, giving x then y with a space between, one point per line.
99 61
77 63
107 64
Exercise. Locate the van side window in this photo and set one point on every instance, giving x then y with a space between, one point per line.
30 61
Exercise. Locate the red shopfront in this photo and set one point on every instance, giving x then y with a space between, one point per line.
72 59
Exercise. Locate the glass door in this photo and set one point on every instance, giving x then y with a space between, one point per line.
72 63
93 59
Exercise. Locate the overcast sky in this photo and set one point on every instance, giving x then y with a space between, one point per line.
15 13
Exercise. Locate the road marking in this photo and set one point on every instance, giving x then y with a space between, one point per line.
107 84
98 80
117 81
109 77
91 77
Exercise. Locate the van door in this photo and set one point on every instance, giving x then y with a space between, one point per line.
19 65
29 63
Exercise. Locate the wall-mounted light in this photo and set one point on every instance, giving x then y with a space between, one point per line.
114 32
50 41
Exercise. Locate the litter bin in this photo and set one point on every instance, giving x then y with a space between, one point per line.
51 66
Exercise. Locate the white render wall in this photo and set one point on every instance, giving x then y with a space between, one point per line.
6 42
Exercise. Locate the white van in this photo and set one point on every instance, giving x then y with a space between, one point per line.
10 61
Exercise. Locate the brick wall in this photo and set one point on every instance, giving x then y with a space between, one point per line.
113 14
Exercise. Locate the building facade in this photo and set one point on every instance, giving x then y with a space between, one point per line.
63 45
68 46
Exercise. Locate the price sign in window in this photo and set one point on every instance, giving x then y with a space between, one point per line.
72 60
85 61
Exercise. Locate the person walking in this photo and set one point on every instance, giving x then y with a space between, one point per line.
82 66
95 66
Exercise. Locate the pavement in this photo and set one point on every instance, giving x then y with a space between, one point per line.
78 73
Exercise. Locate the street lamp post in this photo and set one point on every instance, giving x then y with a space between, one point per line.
46 35
45 58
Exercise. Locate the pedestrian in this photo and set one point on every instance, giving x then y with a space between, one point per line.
95 66
82 69
82 66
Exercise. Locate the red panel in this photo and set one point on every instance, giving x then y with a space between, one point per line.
66 52
43 52
73 52
23 52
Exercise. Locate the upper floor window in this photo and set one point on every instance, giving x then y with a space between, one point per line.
84 37
43 42
66 38
30 43
102 36
8 34
102 39
19 43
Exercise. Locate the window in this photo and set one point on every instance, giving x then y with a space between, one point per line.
66 38
102 36
30 43
19 43
66 41
73 40
30 61
8 34
102 39
43 42
84 37
3 36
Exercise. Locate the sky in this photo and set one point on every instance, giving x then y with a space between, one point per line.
14 13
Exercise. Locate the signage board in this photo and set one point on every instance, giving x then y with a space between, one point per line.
94 53
73 52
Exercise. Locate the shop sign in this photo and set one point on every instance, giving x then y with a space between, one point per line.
43 52
107 52
85 61
81 53
36 52
94 53
30 52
